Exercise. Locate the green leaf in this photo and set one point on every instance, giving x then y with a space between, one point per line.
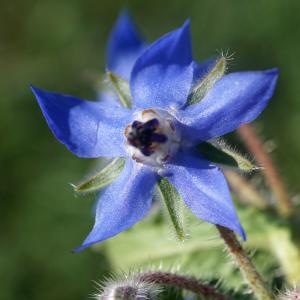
174 205
222 154
122 89
205 84
101 179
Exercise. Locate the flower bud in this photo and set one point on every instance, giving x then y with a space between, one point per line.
130 288
290 295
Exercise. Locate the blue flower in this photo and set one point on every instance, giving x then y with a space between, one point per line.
159 133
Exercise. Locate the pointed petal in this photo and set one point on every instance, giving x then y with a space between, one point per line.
88 129
205 191
163 74
123 203
236 99
124 46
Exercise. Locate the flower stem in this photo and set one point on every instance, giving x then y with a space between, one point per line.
253 142
245 265
184 282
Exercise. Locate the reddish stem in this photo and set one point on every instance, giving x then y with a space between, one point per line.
254 144
245 264
183 282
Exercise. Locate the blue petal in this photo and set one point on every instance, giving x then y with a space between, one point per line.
162 76
236 99
125 202
204 190
109 97
88 129
124 46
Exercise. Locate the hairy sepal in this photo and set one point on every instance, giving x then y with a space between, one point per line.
206 83
122 89
174 206
102 178
222 154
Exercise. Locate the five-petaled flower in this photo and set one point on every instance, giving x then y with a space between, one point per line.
158 134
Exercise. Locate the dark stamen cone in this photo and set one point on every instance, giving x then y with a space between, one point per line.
143 135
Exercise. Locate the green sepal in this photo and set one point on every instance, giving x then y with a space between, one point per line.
174 206
102 178
206 83
122 89
224 155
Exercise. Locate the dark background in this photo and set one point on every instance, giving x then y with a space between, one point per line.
59 45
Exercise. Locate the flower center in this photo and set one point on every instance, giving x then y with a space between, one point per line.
152 138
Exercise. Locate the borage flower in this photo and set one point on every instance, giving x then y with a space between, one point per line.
160 130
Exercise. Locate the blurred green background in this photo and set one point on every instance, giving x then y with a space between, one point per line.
60 46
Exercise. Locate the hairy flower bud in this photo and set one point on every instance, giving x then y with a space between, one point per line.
290 295
128 288
148 285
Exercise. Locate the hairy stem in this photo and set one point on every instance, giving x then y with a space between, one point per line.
245 265
253 142
183 282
